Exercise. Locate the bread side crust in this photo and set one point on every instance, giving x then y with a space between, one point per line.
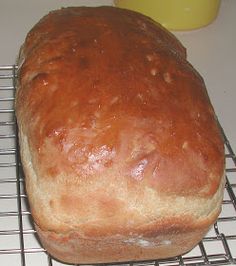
109 241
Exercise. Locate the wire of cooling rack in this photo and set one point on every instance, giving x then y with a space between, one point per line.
19 245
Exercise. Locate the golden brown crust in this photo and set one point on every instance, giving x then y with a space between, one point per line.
117 133
72 248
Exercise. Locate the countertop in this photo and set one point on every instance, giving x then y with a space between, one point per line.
211 50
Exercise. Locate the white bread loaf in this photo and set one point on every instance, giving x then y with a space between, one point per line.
121 150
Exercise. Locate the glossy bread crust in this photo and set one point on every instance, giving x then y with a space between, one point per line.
120 145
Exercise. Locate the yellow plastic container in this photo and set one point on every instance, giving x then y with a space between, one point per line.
175 14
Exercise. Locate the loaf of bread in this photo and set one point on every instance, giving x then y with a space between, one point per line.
121 150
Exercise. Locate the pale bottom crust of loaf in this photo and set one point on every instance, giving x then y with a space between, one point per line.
72 249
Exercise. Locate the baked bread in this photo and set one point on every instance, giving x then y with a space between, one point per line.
120 146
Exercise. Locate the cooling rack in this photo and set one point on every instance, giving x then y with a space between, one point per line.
19 245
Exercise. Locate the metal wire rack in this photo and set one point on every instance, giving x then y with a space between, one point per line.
19 245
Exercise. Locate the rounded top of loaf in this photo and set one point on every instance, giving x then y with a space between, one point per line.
116 119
